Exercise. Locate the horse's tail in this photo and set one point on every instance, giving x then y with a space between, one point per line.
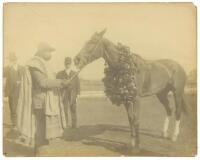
184 105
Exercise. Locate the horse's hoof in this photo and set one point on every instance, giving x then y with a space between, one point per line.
165 135
133 143
174 138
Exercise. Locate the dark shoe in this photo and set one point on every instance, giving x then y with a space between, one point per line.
24 142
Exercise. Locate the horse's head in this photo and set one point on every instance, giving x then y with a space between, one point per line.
91 51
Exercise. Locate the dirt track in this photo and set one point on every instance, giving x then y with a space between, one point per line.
103 131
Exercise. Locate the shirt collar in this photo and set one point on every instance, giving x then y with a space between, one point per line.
41 59
67 71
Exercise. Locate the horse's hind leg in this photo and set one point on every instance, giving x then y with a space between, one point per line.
178 97
179 80
163 98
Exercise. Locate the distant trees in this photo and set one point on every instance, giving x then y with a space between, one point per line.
192 78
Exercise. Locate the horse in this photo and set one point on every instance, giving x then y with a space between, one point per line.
158 77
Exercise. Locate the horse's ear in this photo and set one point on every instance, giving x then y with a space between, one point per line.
102 32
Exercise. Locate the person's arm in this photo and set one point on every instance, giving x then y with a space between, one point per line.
6 80
5 72
78 85
6 89
58 75
43 81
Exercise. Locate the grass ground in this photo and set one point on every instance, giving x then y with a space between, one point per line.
103 131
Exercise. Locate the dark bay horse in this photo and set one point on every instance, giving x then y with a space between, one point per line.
153 78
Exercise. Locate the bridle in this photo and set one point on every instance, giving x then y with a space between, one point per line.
97 45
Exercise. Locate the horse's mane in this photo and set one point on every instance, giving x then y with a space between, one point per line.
138 56
141 62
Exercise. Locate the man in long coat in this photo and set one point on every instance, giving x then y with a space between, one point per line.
44 120
13 74
70 92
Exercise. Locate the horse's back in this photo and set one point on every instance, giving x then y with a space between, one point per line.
171 65
160 73
178 75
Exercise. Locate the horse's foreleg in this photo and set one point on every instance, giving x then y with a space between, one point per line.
133 117
166 126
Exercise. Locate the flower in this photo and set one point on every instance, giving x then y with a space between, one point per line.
119 81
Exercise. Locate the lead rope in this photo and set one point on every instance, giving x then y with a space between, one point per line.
76 74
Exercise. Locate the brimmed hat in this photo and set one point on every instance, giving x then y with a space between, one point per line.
12 57
44 47
68 60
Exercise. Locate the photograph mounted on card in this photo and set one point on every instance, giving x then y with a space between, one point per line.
99 79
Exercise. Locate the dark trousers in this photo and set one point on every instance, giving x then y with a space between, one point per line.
72 107
40 128
13 109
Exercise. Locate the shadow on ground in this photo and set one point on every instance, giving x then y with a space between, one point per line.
113 140
86 134
90 135
83 132
121 148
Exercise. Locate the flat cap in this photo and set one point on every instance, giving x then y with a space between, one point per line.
68 60
43 47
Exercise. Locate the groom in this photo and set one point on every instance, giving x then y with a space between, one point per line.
70 92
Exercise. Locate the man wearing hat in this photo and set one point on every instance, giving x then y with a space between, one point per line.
70 92
45 99
13 74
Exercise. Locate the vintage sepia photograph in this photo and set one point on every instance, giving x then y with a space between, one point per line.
99 79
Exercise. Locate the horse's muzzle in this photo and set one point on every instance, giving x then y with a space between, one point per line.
79 62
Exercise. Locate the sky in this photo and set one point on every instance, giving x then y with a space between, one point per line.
152 30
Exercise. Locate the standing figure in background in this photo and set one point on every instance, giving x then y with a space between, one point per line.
13 74
70 92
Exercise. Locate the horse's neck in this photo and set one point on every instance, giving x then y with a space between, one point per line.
111 55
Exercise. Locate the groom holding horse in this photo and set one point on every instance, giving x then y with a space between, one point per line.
70 93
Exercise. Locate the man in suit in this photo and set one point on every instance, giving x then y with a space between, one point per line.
70 92
13 74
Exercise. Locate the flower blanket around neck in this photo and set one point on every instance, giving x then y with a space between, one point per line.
119 81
